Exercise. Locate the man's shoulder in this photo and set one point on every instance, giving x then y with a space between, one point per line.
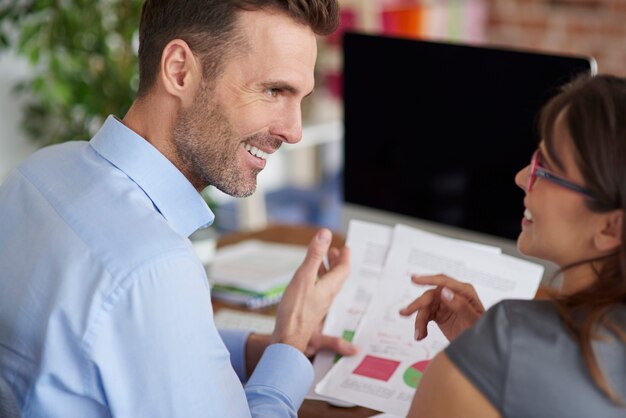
55 167
124 230
53 155
102 209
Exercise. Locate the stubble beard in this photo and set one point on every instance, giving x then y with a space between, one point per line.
207 148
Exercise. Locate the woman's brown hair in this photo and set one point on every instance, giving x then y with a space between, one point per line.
594 110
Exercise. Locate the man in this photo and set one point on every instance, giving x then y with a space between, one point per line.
104 308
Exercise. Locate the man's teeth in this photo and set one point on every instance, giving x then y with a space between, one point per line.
528 215
256 152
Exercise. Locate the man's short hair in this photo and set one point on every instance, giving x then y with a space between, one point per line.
208 27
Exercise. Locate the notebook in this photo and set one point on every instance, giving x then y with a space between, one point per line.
253 273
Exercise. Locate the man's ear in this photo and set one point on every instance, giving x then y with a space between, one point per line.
610 237
181 71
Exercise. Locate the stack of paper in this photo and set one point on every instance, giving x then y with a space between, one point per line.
386 371
244 320
253 273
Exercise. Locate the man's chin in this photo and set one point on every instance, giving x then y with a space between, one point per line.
246 193
237 190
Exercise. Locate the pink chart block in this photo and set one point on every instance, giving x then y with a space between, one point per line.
377 368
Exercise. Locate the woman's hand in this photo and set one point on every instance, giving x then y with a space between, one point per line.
453 305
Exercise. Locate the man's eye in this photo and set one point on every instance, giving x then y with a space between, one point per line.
272 92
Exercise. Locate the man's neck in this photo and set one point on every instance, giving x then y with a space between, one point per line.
154 121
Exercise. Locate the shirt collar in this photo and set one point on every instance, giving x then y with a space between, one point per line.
168 189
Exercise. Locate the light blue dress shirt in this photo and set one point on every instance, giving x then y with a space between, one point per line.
104 307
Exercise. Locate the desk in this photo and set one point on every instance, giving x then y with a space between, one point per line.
290 234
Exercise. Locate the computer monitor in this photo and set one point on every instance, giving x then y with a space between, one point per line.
436 132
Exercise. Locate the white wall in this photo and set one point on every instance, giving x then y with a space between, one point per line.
14 145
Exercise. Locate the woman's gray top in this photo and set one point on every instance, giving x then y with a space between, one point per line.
522 359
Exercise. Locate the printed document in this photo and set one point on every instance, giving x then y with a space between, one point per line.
369 244
387 370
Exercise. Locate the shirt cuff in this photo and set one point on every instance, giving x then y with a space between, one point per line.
284 369
235 341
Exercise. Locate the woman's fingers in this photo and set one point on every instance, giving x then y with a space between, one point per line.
453 305
460 306
459 288
421 302
421 323
426 306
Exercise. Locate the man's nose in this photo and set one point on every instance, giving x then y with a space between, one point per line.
288 124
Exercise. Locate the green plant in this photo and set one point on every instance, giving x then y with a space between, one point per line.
84 60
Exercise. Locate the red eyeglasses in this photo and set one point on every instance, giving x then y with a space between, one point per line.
537 170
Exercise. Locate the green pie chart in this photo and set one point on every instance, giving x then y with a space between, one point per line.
413 374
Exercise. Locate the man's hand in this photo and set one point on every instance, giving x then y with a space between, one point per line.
453 305
320 342
309 295
257 343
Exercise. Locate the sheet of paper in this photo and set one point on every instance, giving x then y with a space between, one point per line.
255 265
247 321
386 372
368 244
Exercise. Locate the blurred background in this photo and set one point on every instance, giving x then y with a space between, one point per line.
66 65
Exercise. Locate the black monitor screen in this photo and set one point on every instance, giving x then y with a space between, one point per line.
438 131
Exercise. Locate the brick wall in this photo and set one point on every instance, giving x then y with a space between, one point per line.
588 27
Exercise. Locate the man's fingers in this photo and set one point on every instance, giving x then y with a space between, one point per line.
307 297
338 345
333 259
318 247
322 269
333 256
338 273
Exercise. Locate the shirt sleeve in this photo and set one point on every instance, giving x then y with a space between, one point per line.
158 353
235 341
482 354
282 373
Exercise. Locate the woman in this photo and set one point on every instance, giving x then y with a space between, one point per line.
565 356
